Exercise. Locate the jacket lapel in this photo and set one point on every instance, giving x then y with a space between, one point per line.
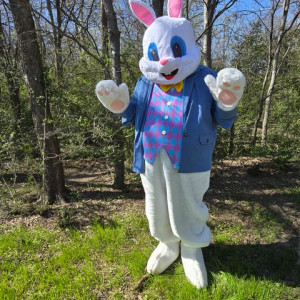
187 91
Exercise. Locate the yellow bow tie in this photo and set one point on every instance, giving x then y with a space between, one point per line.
166 87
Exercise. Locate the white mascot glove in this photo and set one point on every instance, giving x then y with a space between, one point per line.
227 89
114 98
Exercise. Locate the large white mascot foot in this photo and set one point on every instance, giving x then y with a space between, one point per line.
194 267
162 257
227 89
114 98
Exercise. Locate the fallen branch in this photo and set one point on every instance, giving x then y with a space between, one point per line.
140 285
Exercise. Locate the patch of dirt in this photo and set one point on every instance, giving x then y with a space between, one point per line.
92 199
238 187
241 188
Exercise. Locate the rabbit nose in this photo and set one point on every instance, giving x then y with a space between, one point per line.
163 61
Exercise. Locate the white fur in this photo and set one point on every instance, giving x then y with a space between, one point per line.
194 266
229 76
161 32
180 216
110 93
162 257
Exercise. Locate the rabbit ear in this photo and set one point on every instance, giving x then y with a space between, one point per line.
174 8
142 11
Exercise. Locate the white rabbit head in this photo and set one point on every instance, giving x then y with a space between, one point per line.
170 52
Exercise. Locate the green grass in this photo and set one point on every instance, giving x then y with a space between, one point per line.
107 260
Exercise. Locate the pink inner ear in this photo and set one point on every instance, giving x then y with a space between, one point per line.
142 13
174 8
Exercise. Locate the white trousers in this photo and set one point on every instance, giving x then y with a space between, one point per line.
174 206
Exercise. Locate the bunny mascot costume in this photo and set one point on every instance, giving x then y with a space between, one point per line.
175 108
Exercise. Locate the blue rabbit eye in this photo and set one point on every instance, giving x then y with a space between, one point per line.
178 46
152 52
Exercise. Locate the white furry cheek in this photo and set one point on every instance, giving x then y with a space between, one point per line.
143 64
195 54
186 65
149 69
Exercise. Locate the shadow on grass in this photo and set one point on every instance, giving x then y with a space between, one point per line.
276 262
270 197
79 217
20 177
108 195
267 188
67 220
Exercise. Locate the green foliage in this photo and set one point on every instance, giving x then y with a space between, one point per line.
283 133
86 129
17 138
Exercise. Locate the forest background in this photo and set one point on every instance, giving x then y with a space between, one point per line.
72 223
77 43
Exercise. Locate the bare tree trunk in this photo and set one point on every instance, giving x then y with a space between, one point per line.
282 32
57 36
211 15
114 39
231 140
261 105
104 31
267 104
58 52
158 7
267 74
209 11
10 72
187 9
40 38
53 172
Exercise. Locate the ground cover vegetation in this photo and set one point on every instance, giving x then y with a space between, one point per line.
91 240
97 246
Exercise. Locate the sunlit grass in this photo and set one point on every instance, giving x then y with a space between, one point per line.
106 261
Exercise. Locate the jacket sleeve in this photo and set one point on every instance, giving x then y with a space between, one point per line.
223 118
128 116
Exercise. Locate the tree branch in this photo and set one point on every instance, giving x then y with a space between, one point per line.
226 7
71 36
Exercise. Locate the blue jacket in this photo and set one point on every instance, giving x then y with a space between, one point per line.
201 115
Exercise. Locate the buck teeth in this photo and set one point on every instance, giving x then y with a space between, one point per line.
172 73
